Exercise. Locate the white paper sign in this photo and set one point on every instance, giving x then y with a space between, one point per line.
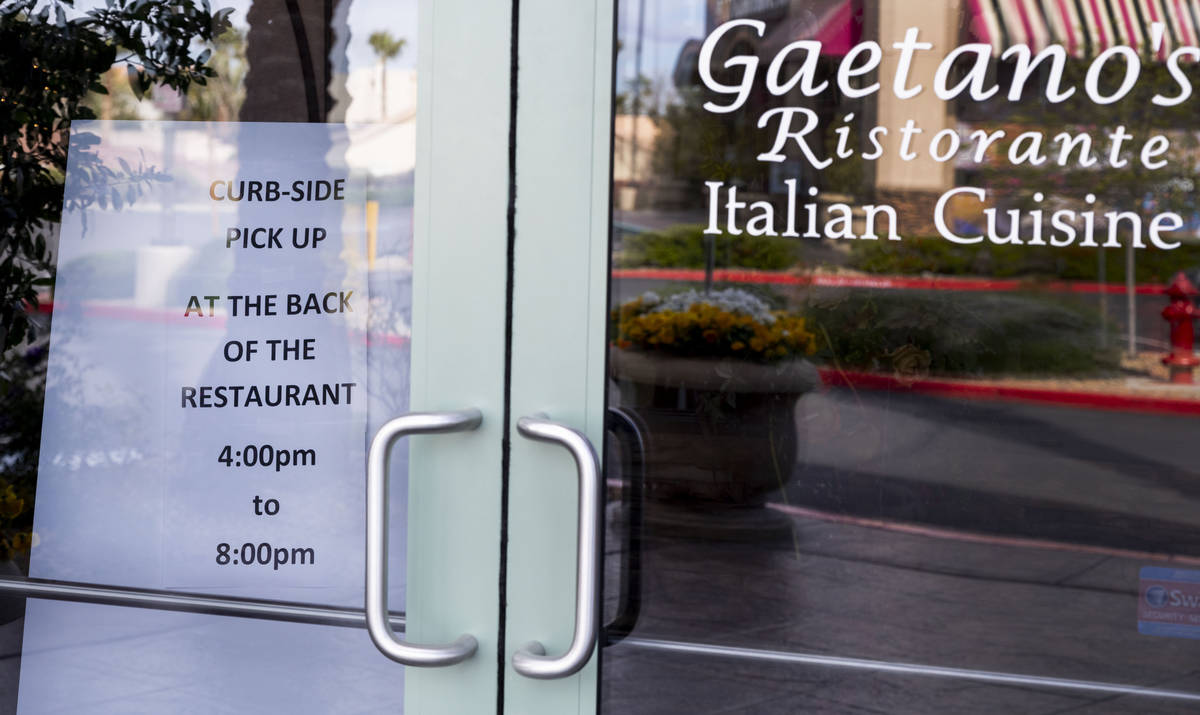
205 421
217 361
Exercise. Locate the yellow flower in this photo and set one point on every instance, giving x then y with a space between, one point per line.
10 504
21 541
705 329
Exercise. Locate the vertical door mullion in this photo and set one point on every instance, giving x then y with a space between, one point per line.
459 283
559 316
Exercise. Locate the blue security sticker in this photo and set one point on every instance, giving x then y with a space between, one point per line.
1169 602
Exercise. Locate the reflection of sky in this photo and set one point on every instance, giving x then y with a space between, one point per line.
668 25
365 16
396 16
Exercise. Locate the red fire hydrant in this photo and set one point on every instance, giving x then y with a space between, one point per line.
1180 314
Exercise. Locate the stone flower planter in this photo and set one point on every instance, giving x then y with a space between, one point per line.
721 432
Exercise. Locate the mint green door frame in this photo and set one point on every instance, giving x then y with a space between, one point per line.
564 108
458 339
560 259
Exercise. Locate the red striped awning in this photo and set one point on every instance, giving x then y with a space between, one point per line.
836 24
1086 27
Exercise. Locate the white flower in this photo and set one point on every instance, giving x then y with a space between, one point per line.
733 300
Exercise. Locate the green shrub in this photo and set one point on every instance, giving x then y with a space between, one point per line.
682 246
937 255
959 333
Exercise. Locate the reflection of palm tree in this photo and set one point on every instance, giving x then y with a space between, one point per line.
386 47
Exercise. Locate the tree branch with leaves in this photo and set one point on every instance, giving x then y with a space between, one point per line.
386 47
53 57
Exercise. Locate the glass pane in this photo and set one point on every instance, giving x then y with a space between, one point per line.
121 660
207 291
911 348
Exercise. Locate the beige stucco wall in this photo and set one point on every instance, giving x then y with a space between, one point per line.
938 23
628 168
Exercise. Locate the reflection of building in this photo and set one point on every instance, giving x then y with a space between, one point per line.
633 147
1084 29
383 148
912 185
836 24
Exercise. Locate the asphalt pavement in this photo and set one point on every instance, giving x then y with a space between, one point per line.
928 533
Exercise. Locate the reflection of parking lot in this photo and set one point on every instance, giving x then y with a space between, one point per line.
877 594
1091 476
991 537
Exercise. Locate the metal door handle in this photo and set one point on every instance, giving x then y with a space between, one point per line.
378 622
628 429
531 660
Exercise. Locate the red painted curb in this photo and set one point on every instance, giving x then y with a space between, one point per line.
985 391
727 275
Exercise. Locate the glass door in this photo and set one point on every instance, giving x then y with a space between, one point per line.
235 252
898 356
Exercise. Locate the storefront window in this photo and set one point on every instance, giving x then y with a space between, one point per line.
888 296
